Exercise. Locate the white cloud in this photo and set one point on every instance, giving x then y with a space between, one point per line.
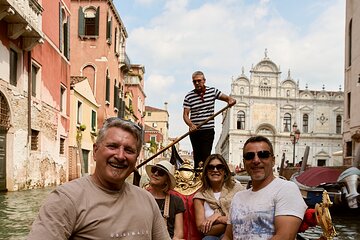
219 37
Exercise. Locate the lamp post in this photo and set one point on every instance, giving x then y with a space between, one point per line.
294 136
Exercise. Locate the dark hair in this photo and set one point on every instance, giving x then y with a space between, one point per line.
228 179
125 125
259 139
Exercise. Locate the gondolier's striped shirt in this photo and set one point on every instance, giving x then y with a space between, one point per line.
200 109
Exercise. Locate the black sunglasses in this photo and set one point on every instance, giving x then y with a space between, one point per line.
160 172
197 81
218 167
261 155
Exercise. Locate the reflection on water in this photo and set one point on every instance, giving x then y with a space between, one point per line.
18 210
347 225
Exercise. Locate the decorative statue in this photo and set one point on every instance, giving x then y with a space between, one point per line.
187 180
323 217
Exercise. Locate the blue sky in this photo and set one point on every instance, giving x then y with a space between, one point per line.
174 38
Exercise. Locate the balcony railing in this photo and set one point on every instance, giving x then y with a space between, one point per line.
24 18
125 61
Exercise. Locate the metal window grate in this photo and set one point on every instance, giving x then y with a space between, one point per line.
34 139
62 144
4 113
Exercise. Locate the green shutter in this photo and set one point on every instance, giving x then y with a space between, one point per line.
81 22
107 30
107 97
110 33
97 17
67 42
93 121
60 28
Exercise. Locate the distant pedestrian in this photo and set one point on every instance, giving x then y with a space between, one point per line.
199 104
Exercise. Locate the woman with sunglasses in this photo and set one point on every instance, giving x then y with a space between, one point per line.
172 207
212 201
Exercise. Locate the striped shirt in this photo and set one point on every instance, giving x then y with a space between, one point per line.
200 109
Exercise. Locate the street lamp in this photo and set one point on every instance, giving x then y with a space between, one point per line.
294 136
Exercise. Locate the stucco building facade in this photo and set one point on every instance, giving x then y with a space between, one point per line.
269 105
33 93
351 139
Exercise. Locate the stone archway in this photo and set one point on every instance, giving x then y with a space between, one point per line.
4 126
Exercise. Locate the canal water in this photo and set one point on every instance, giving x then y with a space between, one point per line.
19 209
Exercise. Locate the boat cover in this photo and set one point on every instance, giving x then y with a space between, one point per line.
316 176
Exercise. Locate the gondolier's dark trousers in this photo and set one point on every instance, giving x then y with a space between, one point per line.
201 141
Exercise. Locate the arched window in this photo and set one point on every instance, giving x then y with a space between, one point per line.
287 122
89 72
338 124
241 120
89 21
305 123
4 113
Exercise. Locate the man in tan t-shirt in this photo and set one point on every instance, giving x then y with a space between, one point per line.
103 205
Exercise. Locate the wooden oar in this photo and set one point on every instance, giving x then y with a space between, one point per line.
136 173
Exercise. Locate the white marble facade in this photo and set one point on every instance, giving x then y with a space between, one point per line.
269 105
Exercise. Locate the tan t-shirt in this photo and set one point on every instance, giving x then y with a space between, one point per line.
82 210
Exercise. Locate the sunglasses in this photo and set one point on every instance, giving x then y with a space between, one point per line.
218 167
262 155
196 81
160 172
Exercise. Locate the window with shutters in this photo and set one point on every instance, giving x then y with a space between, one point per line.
116 97
62 99
93 121
107 90
89 21
34 140
79 113
34 78
64 32
109 29
13 67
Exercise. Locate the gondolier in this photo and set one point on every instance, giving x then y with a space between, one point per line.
198 105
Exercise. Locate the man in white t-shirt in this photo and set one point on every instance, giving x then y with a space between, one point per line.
272 208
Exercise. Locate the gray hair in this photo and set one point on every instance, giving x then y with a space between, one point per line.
198 73
126 125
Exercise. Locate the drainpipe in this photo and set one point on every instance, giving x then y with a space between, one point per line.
29 96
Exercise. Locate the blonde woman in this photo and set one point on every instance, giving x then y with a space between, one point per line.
172 207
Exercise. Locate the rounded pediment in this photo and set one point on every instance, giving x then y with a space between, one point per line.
266 65
323 95
288 83
306 95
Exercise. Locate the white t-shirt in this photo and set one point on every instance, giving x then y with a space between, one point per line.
252 214
208 210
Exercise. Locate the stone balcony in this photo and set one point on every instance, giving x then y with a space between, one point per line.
24 19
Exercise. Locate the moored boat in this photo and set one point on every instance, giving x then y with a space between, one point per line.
342 186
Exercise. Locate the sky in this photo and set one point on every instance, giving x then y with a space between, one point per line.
174 38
